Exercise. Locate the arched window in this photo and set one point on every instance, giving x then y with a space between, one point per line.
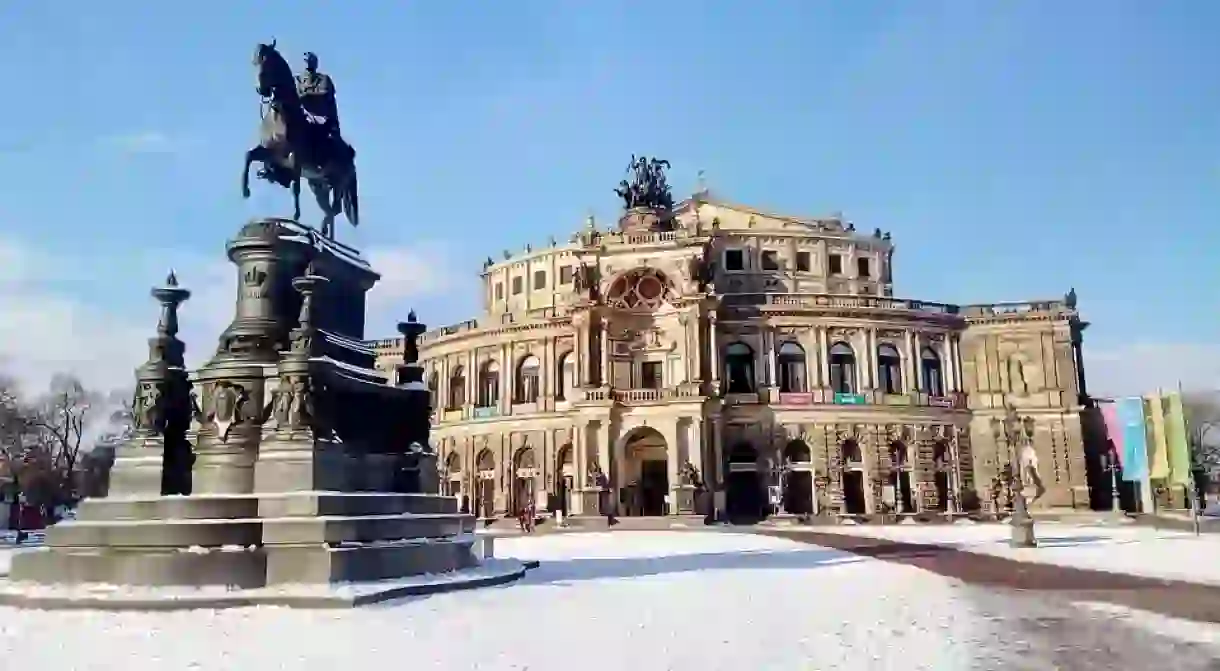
797 452
940 453
457 388
526 386
889 369
933 378
849 452
639 289
489 385
898 454
565 381
842 368
739 367
791 359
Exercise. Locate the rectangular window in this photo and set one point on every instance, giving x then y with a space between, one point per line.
862 268
565 275
734 259
650 375
802 262
770 259
499 291
539 280
835 265
516 285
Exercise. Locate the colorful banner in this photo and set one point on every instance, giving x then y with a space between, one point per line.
1130 413
1158 448
1114 428
1176 438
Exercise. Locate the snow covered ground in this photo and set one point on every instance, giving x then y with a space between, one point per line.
1122 549
611 601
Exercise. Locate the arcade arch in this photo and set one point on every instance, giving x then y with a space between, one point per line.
525 478
745 499
798 478
565 480
453 475
855 502
645 470
901 478
485 485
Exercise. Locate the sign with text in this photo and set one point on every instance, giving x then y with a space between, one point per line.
849 399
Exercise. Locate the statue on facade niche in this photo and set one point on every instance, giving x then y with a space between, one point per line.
1016 375
584 281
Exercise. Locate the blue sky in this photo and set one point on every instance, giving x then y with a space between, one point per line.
1015 149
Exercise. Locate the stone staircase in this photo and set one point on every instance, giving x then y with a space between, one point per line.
253 541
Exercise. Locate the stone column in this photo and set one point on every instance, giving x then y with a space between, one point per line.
606 377
917 343
234 382
298 452
713 348
508 378
819 352
472 380
772 358
156 459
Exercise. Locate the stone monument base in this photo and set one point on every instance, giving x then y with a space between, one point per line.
115 598
253 541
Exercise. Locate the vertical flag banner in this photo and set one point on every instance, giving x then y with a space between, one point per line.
1175 437
1114 428
1130 412
1158 448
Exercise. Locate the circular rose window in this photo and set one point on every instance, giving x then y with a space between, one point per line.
641 289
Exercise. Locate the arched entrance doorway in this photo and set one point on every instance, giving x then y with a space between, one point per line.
565 481
453 475
944 476
646 473
852 473
525 478
798 478
901 478
744 500
485 485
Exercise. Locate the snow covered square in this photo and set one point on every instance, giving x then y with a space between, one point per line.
663 600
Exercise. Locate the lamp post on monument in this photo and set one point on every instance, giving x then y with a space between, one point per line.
1111 463
1017 433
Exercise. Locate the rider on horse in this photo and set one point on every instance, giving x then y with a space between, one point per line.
317 93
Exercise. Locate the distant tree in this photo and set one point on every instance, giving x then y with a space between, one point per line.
1203 430
63 418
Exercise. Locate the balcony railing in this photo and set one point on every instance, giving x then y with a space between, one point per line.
814 301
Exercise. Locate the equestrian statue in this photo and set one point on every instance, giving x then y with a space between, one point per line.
299 137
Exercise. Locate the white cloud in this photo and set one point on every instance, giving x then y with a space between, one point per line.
1139 368
406 273
45 328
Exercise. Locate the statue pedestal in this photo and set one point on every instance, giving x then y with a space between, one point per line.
684 498
225 467
137 467
300 462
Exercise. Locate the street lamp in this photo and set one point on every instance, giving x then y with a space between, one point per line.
1111 463
1015 431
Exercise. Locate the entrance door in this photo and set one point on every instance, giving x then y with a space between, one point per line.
904 497
654 486
486 497
942 490
853 493
798 494
744 501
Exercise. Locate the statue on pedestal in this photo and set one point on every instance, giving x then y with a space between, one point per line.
299 137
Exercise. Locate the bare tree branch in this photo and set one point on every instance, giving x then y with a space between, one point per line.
1203 429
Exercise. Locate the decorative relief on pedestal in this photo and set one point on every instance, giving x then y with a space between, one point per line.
227 407
147 412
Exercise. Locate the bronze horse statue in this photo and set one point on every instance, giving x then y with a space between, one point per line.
290 147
